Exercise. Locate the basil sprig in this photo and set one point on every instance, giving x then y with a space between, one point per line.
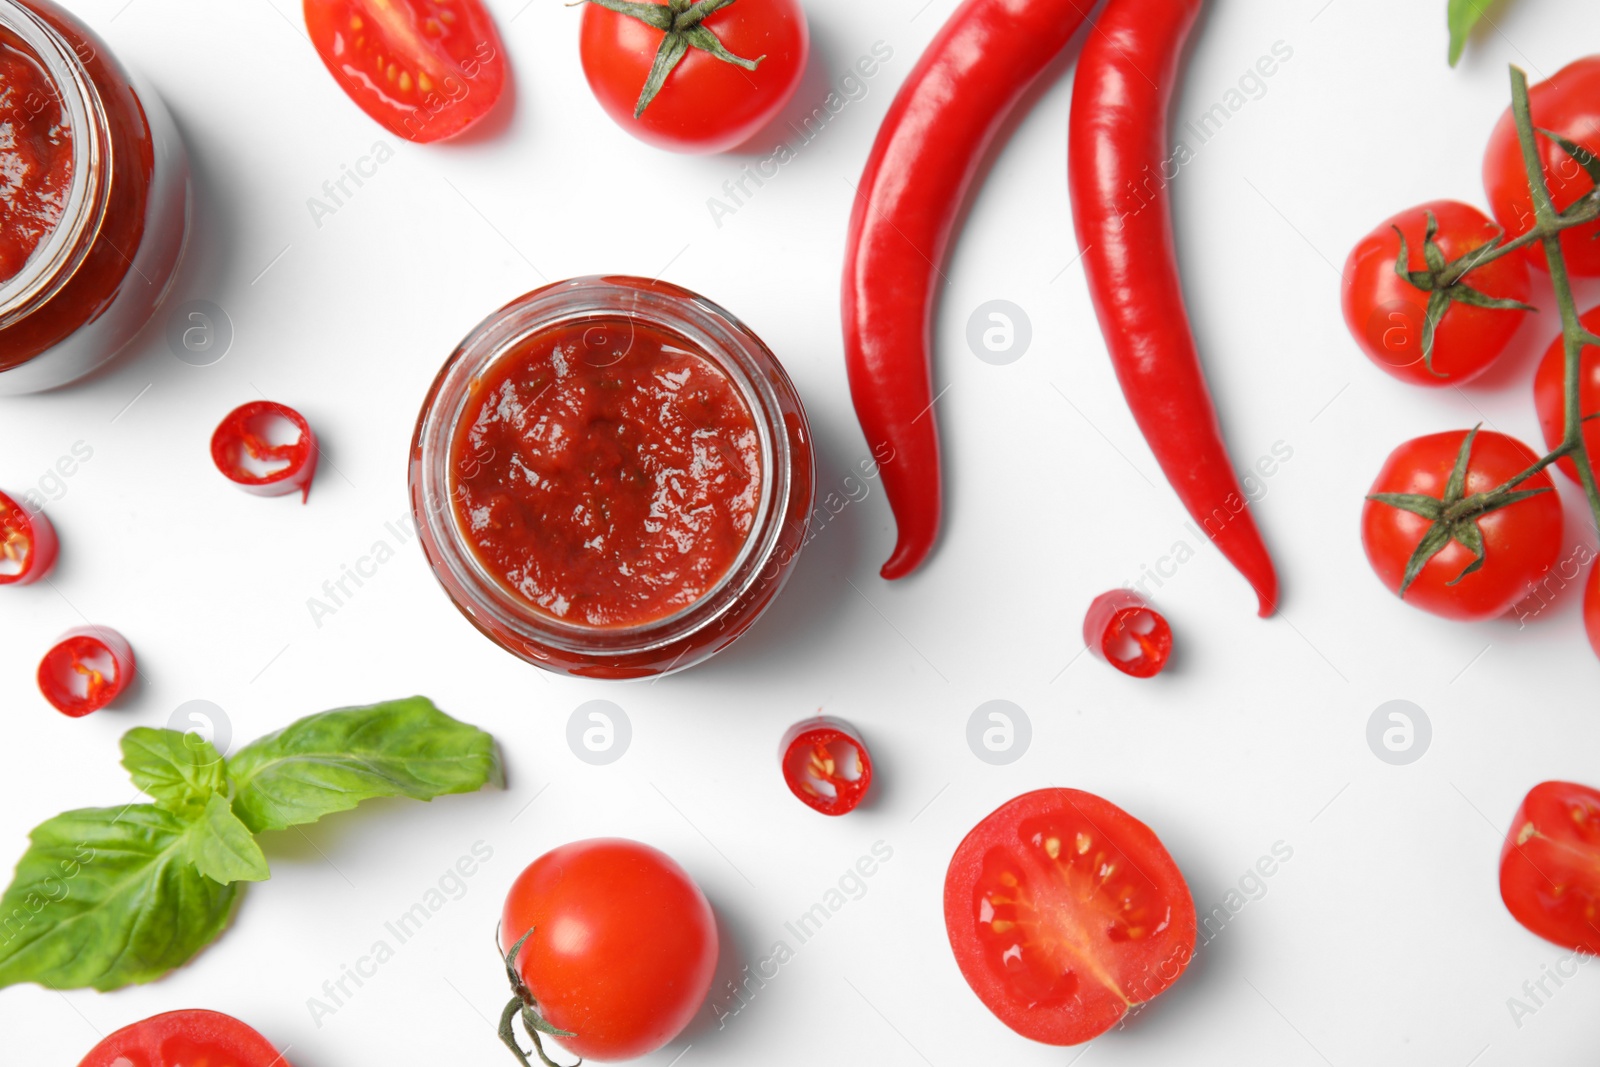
110 897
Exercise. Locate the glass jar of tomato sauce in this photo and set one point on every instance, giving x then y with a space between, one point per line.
611 477
94 199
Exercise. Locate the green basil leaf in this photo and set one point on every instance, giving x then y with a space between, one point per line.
179 771
1463 16
222 848
333 761
104 898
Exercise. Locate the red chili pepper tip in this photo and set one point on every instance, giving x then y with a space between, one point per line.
243 450
826 765
27 544
85 670
1126 632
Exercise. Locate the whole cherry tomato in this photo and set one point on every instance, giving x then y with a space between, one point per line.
1568 104
705 103
424 69
1520 541
618 945
1386 313
1550 865
185 1039
1550 394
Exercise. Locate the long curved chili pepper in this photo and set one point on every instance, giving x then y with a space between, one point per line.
1116 151
927 154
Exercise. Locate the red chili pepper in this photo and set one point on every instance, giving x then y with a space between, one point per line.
1116 153
27 544
87 669
927 154
1126 632
826 765
243 450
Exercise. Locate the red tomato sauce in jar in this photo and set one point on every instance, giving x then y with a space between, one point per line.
607 472
35 156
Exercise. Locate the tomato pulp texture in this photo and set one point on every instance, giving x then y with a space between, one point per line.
1123 630
424 69
1567 104
27 544
1520 542
607 472
85 670
35 156
1550 394
622 945
1064 911
826 765
1386 313
706 104
193 1038
1550 865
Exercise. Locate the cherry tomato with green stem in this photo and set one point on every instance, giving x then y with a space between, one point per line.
1387 314
1550 395
688 81
1481 565
1567 104
611 945
192 1038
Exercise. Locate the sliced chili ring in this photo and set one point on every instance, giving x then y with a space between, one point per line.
826 765
87 669
27 544
252 449
1126 632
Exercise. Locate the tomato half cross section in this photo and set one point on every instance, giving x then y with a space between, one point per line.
185 1039
1064 912
424 69
1550 865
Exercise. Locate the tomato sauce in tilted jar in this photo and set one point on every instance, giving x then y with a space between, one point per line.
94 199
612 477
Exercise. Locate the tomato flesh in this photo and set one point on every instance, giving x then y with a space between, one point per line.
424 69
1550 865
192 1038
621 945
1386 313
1550 394
1568 104
1124 631
826 765
1064 911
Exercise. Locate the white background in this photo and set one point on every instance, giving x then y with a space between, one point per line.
1383 941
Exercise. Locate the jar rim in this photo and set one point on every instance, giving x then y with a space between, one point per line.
57 259
715 334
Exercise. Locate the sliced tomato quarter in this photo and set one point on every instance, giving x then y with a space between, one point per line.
267 449
826 765
424 69
192 1038
1550 865
1064 912
85 670
27 544
1123 630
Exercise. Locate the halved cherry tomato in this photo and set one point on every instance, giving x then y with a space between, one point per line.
1550 865
1591 608
27 544
1386 314
425 69
1568 104
1126 632
267 449
1064 911
1550 394
85 670
826 765
617 946
191 1038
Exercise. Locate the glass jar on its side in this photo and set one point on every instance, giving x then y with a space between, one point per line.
101 272
721 612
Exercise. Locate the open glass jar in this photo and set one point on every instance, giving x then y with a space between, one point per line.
95 228
612 477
